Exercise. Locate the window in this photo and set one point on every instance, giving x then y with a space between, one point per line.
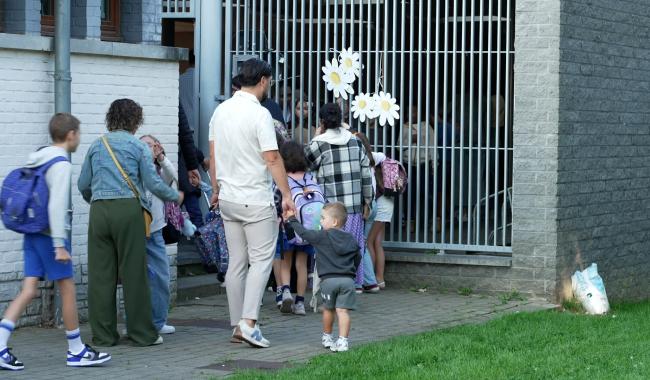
47 17
110 12
110 15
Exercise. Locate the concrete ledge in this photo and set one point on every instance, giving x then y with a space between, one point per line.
94 47
450 259
198 286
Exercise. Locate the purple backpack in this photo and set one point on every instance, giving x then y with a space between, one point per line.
309 200
393 177
24 199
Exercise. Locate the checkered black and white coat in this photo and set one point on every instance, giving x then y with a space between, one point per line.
343 171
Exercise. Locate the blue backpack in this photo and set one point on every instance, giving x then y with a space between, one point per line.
309 200
24 199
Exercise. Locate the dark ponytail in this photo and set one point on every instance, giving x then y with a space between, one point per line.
330 116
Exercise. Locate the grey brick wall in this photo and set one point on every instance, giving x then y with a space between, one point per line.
603 179
86 19
141 21
536 99
23 17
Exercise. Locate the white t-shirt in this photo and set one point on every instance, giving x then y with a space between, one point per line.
241 130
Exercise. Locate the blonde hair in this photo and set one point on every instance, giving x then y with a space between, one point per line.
337 211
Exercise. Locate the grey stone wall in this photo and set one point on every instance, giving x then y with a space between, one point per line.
536 107
141 21
86 19
603 179
23 17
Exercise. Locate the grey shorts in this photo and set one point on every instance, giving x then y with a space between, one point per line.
338 293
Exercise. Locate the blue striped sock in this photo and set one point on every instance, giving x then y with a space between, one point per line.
75 345
6 328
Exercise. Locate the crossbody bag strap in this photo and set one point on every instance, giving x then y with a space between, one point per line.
119 167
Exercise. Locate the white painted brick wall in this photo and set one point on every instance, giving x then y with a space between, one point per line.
27 103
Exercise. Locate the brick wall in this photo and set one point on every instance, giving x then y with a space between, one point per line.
604 144
536 100
22 16
86 19
141 21
26 104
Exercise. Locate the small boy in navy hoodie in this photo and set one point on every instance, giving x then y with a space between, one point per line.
337 259
47 254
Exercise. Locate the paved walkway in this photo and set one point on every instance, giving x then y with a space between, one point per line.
200 347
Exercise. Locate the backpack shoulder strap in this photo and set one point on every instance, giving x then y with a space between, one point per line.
119 167
43 168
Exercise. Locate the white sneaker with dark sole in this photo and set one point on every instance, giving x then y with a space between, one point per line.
88 357
327 340
253 336
287 302
9 361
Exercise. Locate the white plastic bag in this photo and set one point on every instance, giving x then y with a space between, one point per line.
589 289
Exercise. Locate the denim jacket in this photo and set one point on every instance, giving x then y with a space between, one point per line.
100 178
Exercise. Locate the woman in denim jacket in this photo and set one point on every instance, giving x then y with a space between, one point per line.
116 230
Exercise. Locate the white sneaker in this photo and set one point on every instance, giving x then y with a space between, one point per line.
88 357
327 340
287 302
9 361
158 341
341 345
166 329
253 335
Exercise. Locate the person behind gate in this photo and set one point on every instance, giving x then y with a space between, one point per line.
244 160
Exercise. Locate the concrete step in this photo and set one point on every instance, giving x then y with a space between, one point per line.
205 285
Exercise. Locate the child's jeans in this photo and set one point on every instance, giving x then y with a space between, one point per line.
368 266
158 270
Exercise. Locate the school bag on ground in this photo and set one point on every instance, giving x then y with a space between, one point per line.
309 200
24 199
211 242
394 177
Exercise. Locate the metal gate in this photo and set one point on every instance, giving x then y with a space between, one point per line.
448 63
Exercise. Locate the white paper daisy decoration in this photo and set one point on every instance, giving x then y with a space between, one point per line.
350 62
337 79
386 108
363 106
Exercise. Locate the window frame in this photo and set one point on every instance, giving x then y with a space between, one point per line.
110 28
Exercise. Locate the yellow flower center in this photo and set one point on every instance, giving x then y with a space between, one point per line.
362 104
335 78
347 62
385 105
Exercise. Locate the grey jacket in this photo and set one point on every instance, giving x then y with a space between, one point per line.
58 184
337 251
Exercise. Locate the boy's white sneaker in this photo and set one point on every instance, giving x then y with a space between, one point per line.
341 345
9 361
299 309
88 357
327 340
253 335
166 329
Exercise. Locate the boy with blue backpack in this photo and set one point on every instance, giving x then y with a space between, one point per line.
309 200
35 202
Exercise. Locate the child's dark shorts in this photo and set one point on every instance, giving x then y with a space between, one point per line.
338 293
284 245
39 258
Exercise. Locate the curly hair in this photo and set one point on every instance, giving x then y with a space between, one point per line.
124 115
293 156
330 116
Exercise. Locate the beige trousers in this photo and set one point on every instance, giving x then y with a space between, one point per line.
251 234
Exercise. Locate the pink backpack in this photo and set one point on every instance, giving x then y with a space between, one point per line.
394 177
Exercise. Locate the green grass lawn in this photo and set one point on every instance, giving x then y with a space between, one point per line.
541 345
